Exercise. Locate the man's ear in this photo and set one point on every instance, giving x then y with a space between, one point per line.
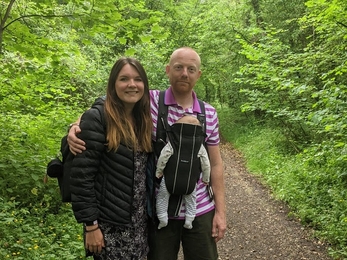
167 69
200 72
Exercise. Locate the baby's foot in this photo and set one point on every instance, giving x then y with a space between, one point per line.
162 224
188 225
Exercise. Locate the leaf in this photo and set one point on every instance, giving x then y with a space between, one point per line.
156 28
130 52
34 191
122 41
146 39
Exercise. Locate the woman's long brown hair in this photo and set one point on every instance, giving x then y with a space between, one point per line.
119 128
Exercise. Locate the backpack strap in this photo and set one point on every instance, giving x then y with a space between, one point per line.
202 116
162 124
62 168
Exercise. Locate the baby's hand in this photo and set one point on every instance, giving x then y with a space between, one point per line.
159 175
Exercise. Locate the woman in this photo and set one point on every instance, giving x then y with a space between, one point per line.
108 179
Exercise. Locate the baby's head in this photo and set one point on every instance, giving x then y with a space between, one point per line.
189 120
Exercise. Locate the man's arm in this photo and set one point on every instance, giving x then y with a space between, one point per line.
217 184
76 145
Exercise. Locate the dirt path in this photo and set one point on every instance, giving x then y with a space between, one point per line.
258 226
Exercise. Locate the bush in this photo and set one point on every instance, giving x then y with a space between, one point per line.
38 232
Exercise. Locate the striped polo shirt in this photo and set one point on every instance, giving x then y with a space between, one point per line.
175 112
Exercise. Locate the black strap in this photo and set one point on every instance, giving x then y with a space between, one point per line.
202 116
162 124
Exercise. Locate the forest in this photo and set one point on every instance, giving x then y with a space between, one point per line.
275 70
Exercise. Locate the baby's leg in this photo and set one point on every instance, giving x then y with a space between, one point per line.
190 203
162 204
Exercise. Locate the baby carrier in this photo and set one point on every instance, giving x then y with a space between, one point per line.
183 169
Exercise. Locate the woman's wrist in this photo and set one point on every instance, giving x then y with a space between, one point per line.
91 228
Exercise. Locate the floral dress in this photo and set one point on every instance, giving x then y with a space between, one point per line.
124 242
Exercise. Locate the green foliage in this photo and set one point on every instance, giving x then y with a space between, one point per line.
220 58
272 85
284 16
28 143
36 232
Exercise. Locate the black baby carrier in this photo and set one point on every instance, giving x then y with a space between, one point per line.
183 169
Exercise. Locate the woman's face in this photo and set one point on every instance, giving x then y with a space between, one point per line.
129 85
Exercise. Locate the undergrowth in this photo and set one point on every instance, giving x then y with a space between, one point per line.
39 232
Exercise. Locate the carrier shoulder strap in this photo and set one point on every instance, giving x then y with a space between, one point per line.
162 124
202 116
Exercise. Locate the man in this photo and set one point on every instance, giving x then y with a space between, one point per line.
209 227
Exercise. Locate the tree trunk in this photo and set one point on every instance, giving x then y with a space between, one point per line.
2 22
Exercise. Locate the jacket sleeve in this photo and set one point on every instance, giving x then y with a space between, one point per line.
85 167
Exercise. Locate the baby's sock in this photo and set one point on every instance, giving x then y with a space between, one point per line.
163 220
188 222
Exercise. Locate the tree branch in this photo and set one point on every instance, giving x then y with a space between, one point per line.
35 15
341 24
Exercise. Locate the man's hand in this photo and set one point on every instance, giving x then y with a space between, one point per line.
218 226
76 145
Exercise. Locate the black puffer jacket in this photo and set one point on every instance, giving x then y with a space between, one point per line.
101 181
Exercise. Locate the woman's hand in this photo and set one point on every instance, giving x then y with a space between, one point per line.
94 239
